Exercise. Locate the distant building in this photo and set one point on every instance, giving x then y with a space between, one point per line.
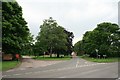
73 54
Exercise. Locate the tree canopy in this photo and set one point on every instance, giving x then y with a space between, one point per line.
15 31
105 38
53 38
69 44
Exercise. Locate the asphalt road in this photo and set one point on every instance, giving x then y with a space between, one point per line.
75 68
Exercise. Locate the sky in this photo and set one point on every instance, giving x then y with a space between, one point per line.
77 16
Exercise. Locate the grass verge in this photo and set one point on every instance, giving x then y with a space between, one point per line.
51 58
6 65
106 60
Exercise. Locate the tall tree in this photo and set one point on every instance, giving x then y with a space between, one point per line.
14 30
69 44
110 36
103 40
0 26
52 37
78 48
28 45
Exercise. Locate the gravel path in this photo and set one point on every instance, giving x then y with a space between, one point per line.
28 62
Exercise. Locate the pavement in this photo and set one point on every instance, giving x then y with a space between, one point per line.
74 68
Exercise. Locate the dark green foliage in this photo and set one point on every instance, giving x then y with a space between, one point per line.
14 30
69 44
53 38
0 26
78 48
105 38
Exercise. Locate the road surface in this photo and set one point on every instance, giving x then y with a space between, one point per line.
74 68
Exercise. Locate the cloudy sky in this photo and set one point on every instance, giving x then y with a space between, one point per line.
77 16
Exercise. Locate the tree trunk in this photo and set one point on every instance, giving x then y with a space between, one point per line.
51 52
58 55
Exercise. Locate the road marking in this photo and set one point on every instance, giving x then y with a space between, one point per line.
6 75
85 62
77 63
28 73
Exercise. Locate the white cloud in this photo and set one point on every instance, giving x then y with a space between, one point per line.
92 9
78 16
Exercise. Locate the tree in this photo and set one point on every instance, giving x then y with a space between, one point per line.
110 35
28 45
14 30
0 26
52 37
105 38
69 44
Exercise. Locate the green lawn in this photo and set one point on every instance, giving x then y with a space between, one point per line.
51 58
6 65
107 60
0 66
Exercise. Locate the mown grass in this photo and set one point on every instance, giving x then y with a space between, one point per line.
0 65
51 58
101 60
6 65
